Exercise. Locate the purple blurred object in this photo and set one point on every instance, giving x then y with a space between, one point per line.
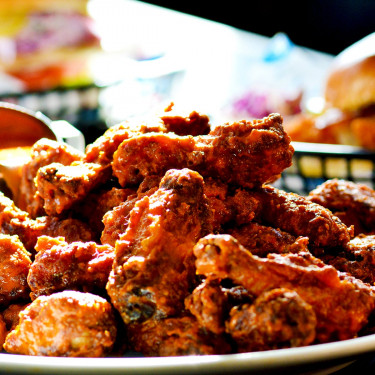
47 31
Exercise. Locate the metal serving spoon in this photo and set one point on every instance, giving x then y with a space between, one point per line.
20 128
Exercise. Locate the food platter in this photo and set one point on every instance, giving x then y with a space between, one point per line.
317 359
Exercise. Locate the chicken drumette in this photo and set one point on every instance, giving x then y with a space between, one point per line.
58 266
342 304
43 152
66 324
243 153
354 203
299 216
14 221
279 318
153 269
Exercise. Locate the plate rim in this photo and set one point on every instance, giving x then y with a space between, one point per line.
243 361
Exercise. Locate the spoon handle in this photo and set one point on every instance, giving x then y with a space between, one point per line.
67 133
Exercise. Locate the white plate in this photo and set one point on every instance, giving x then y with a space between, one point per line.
317 359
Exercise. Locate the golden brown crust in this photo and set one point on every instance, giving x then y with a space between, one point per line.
68 323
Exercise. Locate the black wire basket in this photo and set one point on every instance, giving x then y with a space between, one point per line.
315 163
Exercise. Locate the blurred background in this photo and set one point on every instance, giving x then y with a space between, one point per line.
324 25
95 63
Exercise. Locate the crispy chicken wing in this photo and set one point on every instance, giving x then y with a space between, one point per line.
358 258
299 216
262 240
43 152
243 153
93 208
184 123
174 337
229 206
210 302
11 314
58 266
279 318
64 324
101 151
354 202
15 263
3 331
14 221
116 220
153 269
62 186
342 304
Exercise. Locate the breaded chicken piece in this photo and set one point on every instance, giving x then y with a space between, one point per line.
175 336
278 318
101 151
185 123
358 258
153 270
116 220
229 206
3 331
262 240
342 304
14 221
299 216
209 303
58 266
15 263
62 186
243 153
97 204
64 324
354 202
11 314
43 152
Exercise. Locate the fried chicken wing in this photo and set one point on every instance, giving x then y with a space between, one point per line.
229 207
3 331
353 201
358 258
62 186
93 208
342 304
193 123
174 337
262 240
14 221
209 304
11 314
71 229
243 153
211 301
279 318
43 152
153 268
102 150
299 216
15 263
116 220
58 266
64 324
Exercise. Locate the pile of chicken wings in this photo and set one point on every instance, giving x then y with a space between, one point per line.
167 237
